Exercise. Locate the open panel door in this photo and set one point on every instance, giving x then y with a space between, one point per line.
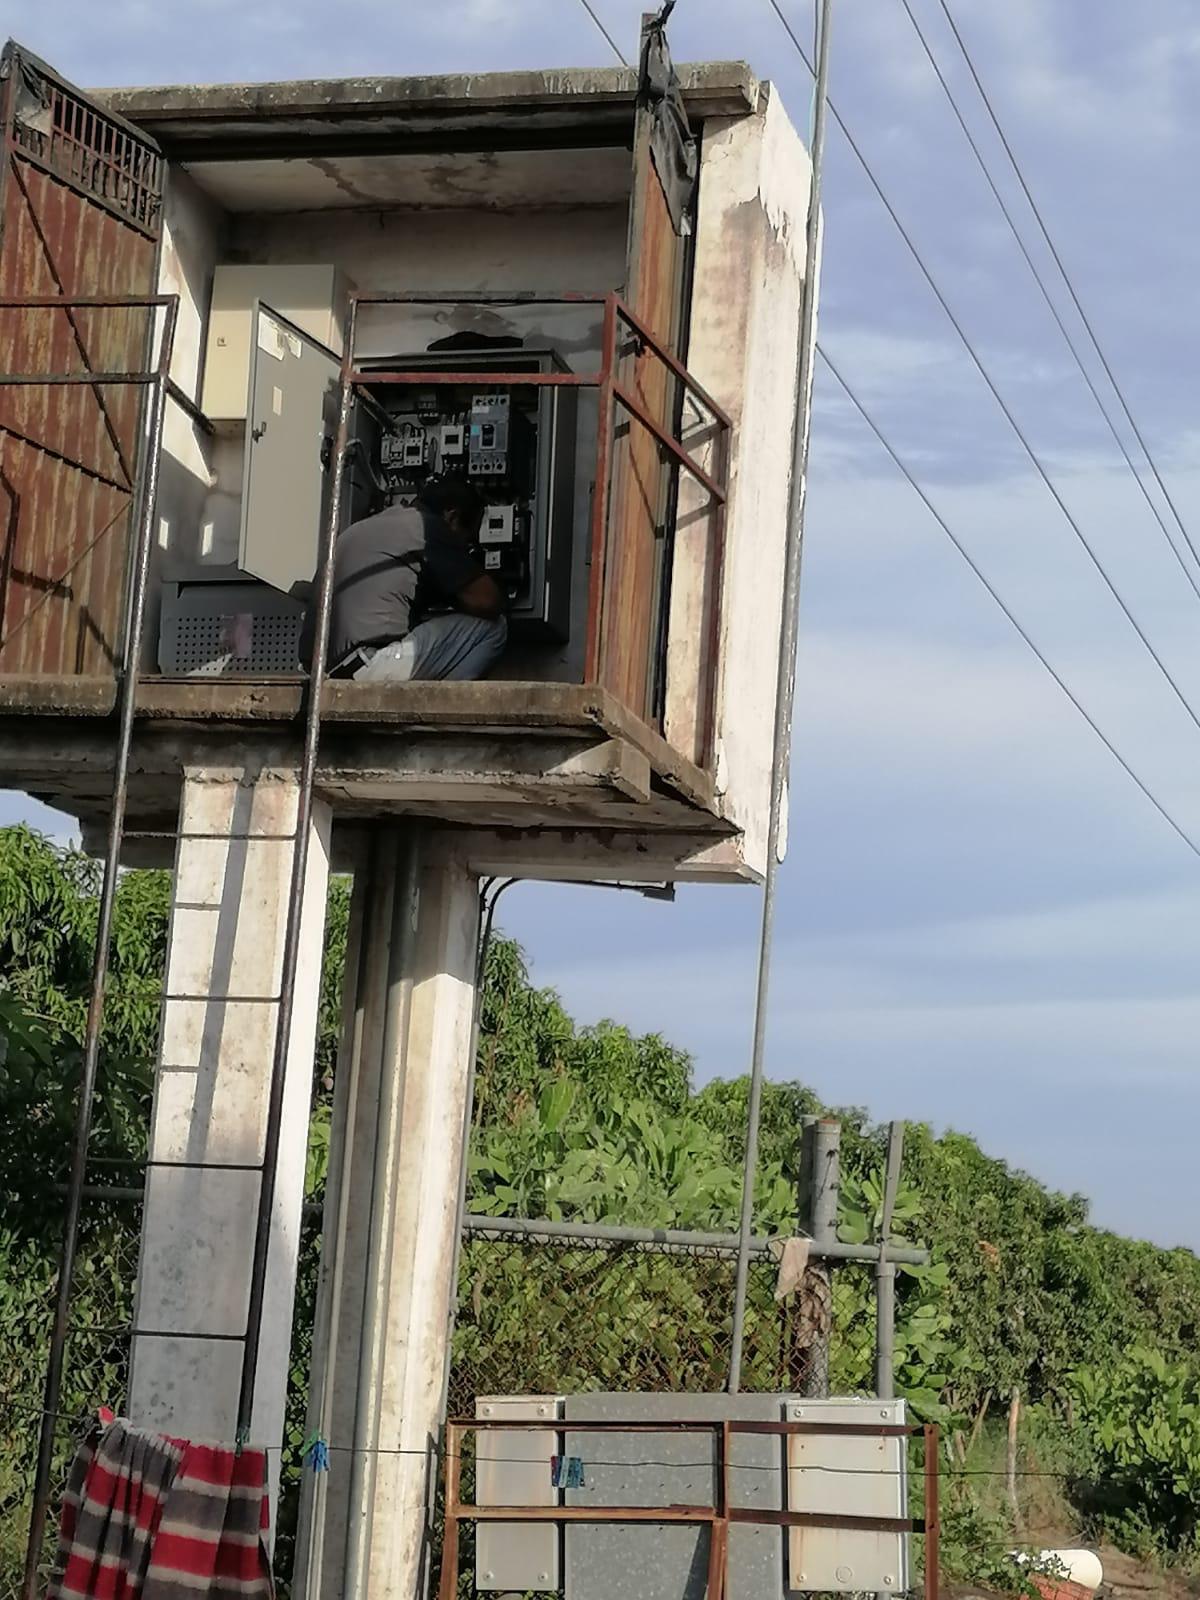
640 495
291 417
80 215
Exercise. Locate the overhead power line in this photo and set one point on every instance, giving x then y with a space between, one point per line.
954 539
1009 415
1155 511
1066 277
612 43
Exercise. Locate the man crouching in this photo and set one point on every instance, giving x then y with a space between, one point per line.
410 599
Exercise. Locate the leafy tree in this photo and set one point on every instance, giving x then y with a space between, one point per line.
600 1124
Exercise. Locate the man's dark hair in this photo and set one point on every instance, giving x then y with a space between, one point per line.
440 495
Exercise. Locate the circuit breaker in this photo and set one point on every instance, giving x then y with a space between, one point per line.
515 442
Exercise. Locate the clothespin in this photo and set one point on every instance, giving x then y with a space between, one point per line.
566 1472
316 1453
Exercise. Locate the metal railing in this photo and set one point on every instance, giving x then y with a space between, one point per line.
623 334
718 1517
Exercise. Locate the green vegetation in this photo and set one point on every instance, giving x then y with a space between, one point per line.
1098 1333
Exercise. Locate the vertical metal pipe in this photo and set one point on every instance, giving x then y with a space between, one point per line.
825 1182
374 877
487 905
784 688
885 1271
295 910
885 1326
134 626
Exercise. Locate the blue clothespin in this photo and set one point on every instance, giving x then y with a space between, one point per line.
566 1472
316 1453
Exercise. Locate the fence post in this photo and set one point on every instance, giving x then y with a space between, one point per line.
824 1176
885 1272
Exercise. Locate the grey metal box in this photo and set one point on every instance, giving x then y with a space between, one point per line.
513 1468
210 628
659 1562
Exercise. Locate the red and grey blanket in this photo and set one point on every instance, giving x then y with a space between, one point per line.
147 1517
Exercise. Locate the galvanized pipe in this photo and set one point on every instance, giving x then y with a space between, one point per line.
131 657
784 686
673 1240
366 938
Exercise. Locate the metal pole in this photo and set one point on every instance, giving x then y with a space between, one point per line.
373 878
785 684
825 1181
885 1271
295 911
487 906
666 1240
134 628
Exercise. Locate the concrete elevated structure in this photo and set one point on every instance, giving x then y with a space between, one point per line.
534 209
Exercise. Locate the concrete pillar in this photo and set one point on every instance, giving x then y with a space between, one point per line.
390 1219
232 877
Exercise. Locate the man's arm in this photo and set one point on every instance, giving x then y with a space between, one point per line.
481 597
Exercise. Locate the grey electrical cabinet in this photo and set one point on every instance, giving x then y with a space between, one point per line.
291 419
515 442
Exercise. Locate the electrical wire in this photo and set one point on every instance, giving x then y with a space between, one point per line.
984 373
1155 511
612 43
903 468
1066 277
948 1475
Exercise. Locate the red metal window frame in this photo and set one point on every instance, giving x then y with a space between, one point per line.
718 1517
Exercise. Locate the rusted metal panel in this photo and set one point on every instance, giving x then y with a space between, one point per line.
80 215
640 476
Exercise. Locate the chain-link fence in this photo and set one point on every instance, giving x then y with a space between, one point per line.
536 1314
552 1315
96 1358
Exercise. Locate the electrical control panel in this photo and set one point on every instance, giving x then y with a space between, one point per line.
514 441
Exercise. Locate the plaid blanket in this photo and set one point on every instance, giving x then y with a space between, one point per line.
146 1517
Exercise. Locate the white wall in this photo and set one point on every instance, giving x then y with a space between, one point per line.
753 203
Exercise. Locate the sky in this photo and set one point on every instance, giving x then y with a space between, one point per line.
982 923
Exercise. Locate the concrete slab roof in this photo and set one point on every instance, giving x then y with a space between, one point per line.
460 110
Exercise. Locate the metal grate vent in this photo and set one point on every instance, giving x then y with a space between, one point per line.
100 157
212 629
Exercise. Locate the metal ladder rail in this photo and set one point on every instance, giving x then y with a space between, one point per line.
291 942
146 485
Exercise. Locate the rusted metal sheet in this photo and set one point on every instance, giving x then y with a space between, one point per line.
633 568
80 215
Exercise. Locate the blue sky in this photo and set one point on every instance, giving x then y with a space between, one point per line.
982 923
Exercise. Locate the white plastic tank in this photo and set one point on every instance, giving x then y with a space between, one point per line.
1072 1566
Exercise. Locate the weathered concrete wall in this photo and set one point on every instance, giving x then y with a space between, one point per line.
754 186
232 874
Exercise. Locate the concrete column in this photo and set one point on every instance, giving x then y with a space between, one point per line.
232 877
389 1240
